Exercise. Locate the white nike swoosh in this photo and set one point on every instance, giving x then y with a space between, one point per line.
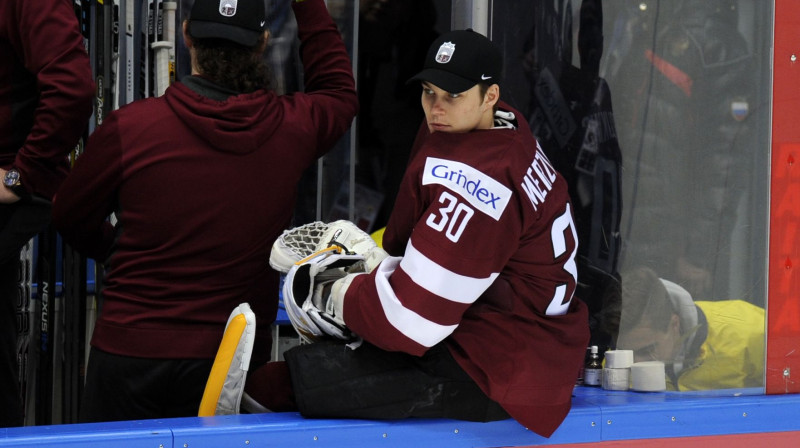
263 22
484 77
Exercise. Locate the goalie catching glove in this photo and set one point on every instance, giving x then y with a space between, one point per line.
301 242
313 293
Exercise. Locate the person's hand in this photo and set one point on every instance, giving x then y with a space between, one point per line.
6 196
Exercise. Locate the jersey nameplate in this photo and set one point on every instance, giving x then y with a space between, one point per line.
481 191
539 178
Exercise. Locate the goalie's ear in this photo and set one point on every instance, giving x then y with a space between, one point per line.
301 285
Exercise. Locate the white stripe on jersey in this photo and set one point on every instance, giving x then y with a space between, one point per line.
435 279
443 282
412 325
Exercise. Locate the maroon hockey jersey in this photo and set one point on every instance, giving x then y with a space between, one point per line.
484 261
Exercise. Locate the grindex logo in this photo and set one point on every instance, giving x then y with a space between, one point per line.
480 190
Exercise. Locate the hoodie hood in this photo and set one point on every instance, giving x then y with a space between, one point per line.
230 123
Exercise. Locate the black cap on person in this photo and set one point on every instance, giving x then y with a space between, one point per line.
240 21
460 59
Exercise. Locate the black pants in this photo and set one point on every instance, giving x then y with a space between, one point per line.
125 388
331 380
18 224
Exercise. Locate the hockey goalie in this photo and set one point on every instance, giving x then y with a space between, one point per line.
469 314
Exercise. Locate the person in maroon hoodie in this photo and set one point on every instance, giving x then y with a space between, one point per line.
46 93
472 317
202 181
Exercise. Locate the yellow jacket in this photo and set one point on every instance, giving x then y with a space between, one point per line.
732 355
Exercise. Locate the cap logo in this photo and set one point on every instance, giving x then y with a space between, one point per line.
227 7
445 52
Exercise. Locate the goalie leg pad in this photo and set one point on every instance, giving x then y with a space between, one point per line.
225 385
333 381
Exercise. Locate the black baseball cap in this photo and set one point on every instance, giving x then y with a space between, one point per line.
240 21
458 60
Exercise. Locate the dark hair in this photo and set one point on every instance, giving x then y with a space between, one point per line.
231 65
644 300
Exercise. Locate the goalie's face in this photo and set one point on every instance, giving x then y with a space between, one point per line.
459 112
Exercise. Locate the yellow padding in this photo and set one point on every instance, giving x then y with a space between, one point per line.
378 236
219 371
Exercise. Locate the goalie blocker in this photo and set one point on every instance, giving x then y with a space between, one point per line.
316 258
313 291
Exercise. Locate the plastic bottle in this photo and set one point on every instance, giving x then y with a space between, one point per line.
593 370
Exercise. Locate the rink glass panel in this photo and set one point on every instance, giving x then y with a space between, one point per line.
658 114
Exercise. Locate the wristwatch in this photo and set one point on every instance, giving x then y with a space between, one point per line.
12 181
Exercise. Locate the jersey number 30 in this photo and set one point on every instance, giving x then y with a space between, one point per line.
454 216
